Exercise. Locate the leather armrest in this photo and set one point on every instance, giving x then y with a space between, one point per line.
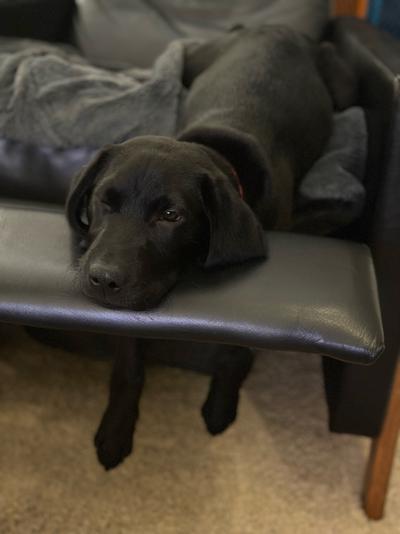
378 47
375 57
316 295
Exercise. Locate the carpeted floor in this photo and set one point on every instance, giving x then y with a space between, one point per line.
277 470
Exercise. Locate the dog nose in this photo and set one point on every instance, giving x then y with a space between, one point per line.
107 279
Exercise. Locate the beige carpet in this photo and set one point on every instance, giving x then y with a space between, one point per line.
277 470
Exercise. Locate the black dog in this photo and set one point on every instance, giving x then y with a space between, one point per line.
257 115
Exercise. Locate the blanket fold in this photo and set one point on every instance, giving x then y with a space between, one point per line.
52 96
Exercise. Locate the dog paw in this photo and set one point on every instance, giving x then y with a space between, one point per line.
113 442
219 412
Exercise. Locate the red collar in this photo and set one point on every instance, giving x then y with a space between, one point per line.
239 185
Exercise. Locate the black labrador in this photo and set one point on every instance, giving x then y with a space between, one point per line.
257 115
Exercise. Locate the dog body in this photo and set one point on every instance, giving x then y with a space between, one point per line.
260 101
258 113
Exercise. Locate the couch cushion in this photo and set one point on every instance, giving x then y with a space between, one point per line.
38 173
138 30
316 295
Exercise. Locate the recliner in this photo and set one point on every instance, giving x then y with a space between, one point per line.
37 284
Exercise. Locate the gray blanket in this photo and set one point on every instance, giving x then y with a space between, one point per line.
50 95
53 96
332 194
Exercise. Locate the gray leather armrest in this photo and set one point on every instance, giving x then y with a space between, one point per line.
313 294
367 43
375 57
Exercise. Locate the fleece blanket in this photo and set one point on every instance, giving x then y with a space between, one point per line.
51 96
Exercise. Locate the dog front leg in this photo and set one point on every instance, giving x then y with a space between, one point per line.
114 437
232 365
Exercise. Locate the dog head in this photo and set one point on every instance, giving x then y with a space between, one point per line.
150 207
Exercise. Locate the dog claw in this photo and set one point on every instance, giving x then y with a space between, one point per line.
113 445
111 454
219 415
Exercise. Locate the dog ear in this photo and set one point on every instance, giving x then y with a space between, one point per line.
244 154
340 79
82 184
235 233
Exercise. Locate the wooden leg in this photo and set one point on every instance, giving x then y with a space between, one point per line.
381 456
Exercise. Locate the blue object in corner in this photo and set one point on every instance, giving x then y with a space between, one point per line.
386 15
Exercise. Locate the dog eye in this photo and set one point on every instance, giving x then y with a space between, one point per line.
107 205
111 200
170 215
